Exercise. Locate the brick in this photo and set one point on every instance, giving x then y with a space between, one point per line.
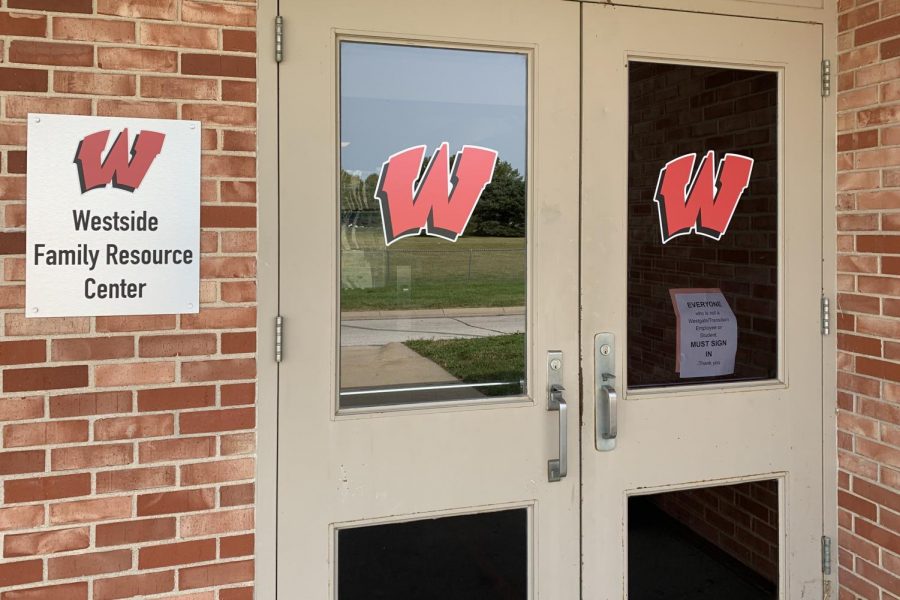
143 110
15 409
240 141
178 449
238 291
45 378
126 428
227 267
877 494
237 495
217 472
238 394
239 443
217 522
12 134
89 457
89 563
238 91
12 296
93 348
238 545
40 434
168 555
238 241
23 25
135 479
218 574
47 488
134 532
218 13
23 352
50 53
46 542
175 502
18 107
66 591
176 398
23 461
87 511
93 30
179 88
130 586
236 40
221 318
177 345
137 59
240 593
878 535
239 343
228 216
21 517
23 80
179 36
226 115
110 375
99 84
12 242
227 166
139 9
858 17
217 420
135 323
20 572
218 65
91 403
880 30
18 325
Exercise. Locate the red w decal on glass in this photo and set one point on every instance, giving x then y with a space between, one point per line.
704 203
443 201
123 169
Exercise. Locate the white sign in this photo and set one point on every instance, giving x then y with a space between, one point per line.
706 334
113 216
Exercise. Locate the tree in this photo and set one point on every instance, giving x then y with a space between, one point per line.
502 210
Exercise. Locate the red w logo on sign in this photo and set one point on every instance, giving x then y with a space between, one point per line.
443 201
687 204
121 170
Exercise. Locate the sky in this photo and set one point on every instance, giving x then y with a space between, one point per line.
394 97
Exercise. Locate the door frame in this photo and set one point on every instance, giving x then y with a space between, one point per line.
266 517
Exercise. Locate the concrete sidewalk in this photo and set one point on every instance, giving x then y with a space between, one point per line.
379 331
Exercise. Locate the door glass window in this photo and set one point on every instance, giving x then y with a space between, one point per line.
433 221
702 225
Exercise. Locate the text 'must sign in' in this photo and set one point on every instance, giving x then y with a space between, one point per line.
113 216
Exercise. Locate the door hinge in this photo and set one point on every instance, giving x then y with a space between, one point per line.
826 78
826 315
279 337
826 555
279 39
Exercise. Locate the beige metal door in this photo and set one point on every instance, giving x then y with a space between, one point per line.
659 85
376 428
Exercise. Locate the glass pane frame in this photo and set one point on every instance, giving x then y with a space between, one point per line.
781 379
527 395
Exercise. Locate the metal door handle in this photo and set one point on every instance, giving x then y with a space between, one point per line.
606 399
558 468
607 412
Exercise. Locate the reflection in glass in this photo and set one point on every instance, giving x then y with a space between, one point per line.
482 556
423 318
676 110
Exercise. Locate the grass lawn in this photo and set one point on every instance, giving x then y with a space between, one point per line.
428 272
479 360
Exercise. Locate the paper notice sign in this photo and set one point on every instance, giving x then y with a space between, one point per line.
706 333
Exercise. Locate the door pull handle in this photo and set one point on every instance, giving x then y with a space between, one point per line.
558 468
606 399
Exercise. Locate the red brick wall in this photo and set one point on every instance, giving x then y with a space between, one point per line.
868 264
676 110
740 519
127 456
